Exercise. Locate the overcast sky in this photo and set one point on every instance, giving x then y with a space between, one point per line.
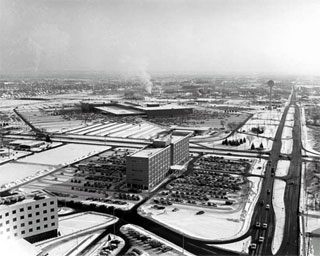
243 36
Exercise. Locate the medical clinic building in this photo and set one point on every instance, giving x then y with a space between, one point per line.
149 166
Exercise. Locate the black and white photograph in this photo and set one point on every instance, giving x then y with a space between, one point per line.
159 127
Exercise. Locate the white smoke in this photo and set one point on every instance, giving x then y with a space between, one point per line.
138 68
145 78
37 52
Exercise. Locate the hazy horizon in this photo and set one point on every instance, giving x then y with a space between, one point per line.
166 37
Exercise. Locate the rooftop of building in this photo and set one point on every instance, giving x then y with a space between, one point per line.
17 198
26 142
164 107
116 110
147 152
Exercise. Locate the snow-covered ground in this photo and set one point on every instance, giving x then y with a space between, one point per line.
18 172
286 146
266 119
282 168
306 139
214 224
65 154
280 215
8 155
76 229
39 164
241 246
258 167
17 247
67 247
287 137
81 221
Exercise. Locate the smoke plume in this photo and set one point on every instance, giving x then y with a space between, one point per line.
138 69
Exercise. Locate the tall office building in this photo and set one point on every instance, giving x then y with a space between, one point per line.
32 216
179 146
149 166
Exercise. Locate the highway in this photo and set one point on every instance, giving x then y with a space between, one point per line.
136 143
262 215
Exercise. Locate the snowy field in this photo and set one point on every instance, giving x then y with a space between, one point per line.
250 139
241 246
31 167
268 120
214 224
10 103
313 224
280 215
286 140
314 246
282 168
14 155
18 172
82 221
258 167
307 136
65 154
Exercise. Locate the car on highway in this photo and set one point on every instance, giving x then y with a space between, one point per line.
268 191
267 206
253 246
264 225
258 225
261 239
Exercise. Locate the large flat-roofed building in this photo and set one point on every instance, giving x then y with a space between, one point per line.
149 110
119 110
148 167
169 110
32 216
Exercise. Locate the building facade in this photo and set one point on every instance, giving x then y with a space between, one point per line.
33 217
149 167
179 147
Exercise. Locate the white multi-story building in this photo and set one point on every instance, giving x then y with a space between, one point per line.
32 216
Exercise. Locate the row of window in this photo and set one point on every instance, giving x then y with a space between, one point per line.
30 222
29 215
30 229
